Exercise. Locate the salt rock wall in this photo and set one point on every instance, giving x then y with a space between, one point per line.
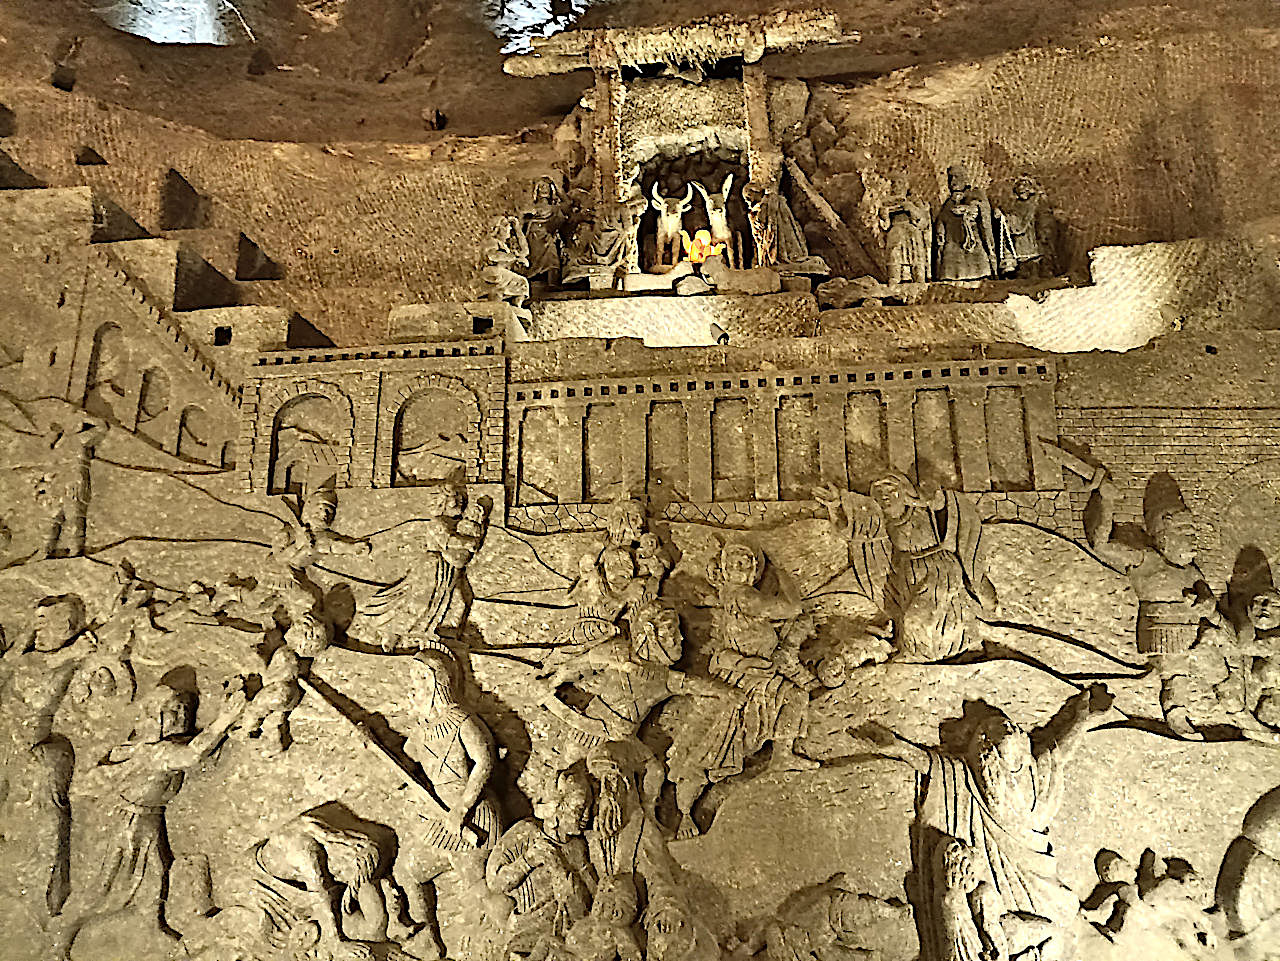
1176 146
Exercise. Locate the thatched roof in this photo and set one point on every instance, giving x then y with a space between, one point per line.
701 41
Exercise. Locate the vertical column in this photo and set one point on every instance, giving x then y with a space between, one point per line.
969 406
829 426
1042 422
900 432
364 394
697 412
763 160
635 446
604 61
572 417
764 419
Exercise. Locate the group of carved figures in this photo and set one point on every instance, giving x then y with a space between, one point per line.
589 876
968 238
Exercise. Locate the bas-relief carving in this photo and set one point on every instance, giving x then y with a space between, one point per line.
559 773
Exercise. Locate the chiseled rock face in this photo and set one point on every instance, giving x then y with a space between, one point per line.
511 605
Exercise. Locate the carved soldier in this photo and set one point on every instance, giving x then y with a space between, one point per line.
964 240
756 640
999 796
905 222
455 752
1173 597
542 865
126 899
37 763
286 583
64 485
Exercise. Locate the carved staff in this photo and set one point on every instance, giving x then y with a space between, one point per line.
469 834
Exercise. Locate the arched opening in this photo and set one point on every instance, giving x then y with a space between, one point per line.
434 442
194 433
106 385
674 178
155 395
310 441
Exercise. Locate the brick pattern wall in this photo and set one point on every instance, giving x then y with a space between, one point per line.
1203 448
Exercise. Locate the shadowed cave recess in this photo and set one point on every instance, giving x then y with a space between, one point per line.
530 480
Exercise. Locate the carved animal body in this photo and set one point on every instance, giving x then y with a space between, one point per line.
671 211
718 218
727 280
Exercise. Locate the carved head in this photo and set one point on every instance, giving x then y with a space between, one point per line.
958 179
308 636
1026 187
545 191
1174 536
319 510
739 564
626 522
564 814
616 901
163 712
895 496
899 185
847 919
1113 869
1169 523
57 621
1264 611
1000 747
956 865
669 930
656 634
433 682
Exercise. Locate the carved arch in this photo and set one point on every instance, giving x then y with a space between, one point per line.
275 402
394 405
1214 512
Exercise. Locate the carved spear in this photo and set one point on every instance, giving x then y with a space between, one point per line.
469 834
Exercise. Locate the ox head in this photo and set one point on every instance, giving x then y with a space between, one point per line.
716 202
672 206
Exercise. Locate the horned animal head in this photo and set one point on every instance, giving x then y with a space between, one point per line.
716 202
673 206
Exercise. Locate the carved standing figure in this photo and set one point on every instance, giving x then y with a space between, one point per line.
671 211
964 234
717 205
1173 596
779 239
542 224
35 777
455 752
999 796
905 222
63 487
124 905
756 640
1030 225
411 611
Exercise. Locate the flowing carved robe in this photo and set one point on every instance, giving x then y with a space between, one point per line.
1008 826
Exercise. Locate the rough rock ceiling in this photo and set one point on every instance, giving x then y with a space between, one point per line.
399 70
